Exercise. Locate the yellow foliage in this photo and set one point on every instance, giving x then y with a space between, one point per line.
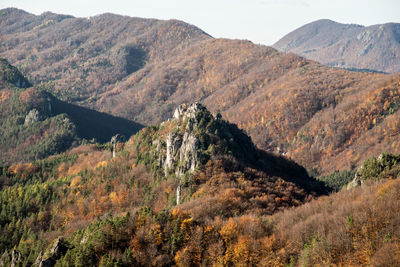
63 167
229 231
21 167
101 164
157 234
242 252
76 181
113 197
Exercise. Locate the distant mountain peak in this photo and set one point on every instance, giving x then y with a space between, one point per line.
10 10
350 46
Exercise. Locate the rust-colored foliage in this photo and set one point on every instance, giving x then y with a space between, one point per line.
324 118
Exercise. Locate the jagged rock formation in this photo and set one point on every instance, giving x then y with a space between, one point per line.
11 259
191 142
50 257
181 148
32 117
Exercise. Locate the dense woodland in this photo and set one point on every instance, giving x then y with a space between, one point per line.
142 69
86 208
193 190
34 124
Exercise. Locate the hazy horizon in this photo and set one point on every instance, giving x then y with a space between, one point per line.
260 21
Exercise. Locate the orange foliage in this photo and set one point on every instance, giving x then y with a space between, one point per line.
4 95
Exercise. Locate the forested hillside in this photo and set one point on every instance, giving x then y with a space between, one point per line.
324 118
150 206
226 180
34 124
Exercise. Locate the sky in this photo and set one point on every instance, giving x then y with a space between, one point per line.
260 21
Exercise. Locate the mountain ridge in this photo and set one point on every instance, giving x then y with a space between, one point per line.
146 68
334 44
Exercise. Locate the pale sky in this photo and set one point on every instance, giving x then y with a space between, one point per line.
260 21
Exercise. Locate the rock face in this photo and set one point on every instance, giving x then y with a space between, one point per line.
118 138
12 258
182 150
195 136
32 117
357 181
185 143
49 258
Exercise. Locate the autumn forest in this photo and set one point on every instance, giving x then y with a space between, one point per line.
141 142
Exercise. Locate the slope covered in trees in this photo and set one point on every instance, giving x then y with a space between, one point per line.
350 46
78 58
288 104
324 118
34 124
85 208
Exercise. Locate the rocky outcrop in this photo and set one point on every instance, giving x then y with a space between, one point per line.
49 258
183 144
182 153
115 140
32 117
357 181
12 258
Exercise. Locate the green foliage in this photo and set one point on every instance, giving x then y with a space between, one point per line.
20 141
337 179
25 201
10 75
377 168
89 245
55 126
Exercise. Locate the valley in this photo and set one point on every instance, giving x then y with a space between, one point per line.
127 141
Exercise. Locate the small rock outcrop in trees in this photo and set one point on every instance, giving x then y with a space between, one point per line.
114 142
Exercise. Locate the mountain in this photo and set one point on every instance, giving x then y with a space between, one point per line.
350 46
314 114
187 171
193 190
326 119
86 56
34 124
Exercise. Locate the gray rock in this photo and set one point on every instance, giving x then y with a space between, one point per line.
32 117
13 258
357 181
50 257
185 111
188 154
183 149
118 138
